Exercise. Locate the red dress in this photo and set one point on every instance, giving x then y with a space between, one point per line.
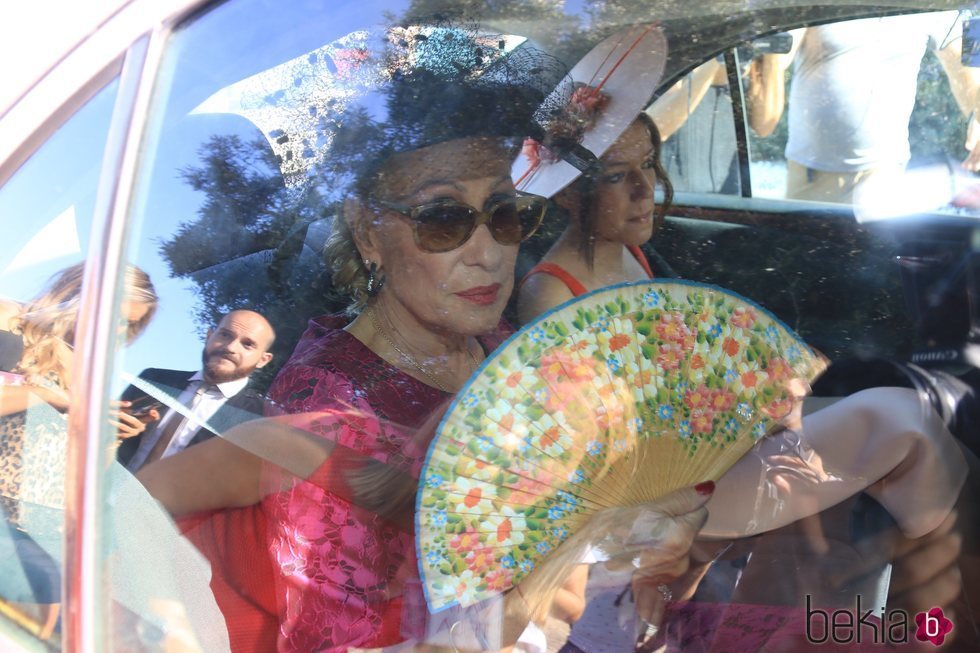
574 285
314 567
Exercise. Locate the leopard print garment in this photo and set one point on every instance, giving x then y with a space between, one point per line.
33 454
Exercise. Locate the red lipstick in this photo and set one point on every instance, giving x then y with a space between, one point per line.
480 295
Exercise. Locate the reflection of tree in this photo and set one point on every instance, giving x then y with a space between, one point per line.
246 248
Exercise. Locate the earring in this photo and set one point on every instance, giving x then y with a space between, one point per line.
375 280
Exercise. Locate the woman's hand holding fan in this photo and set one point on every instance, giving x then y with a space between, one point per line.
626 536
664 555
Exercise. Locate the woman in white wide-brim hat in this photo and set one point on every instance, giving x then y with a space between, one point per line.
599 161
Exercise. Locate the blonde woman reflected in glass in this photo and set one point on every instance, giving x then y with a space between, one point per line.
37 352
37 338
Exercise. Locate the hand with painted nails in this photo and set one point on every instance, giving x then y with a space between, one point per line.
666 527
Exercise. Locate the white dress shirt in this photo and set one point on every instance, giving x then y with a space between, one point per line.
199 408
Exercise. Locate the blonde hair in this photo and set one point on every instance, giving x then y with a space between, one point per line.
48 322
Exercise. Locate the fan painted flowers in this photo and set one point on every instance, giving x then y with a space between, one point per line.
672 328
669 356
469 496
701 421
684 428
560 366
499 580
481 560
744 317
465 541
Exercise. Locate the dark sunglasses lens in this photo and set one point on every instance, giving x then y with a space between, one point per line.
441 228
515 220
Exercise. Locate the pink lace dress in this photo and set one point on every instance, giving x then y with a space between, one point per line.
328 563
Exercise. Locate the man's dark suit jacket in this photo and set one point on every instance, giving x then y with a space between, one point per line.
244 406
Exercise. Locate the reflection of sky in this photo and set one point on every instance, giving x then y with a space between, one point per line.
54 189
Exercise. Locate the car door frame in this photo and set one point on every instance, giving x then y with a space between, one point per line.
129 45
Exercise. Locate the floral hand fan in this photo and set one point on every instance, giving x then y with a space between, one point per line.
616 398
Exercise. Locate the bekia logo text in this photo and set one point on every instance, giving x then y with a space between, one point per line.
845 626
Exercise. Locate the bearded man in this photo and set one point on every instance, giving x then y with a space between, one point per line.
204 403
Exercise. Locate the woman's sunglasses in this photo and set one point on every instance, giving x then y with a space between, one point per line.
445 225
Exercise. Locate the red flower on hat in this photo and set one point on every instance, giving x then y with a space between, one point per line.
535 152
584 107
579 116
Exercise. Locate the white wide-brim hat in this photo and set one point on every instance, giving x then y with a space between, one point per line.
625 68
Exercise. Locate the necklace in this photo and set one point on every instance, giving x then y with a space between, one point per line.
409 358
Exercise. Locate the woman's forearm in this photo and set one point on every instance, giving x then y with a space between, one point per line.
18 398
882 440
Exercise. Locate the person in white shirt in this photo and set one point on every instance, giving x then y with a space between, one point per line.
852 94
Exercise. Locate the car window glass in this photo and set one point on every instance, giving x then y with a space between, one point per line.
335 214
808 269
697 123
45 216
